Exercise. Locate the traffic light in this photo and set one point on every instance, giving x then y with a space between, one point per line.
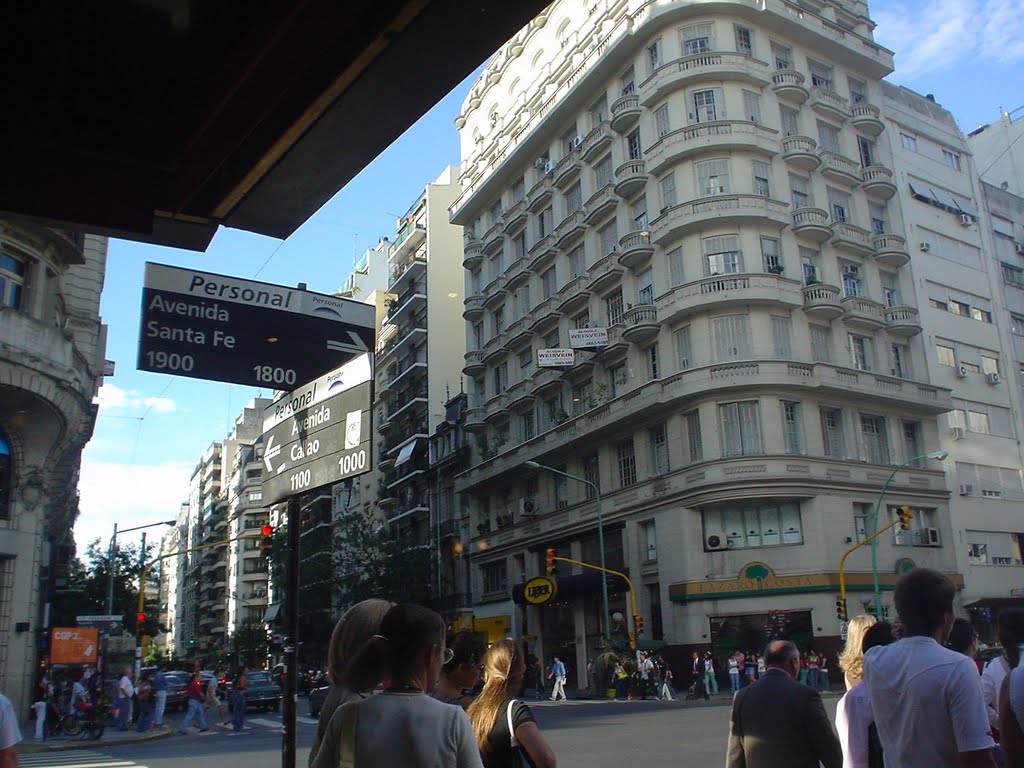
905 517
140 620
266 540
551 562
638 625
841 608
191 642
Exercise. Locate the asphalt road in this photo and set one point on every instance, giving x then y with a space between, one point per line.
583 735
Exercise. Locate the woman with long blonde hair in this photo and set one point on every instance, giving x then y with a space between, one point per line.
851 660
490 715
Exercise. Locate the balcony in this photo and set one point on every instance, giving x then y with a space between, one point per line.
715 136
567 170
635 249
717 211
409 403
822 301
863 313
472 254
405 340
544 314
852 239
473 307
625 113
595 142
573 295
812 223
405 272
630 178
404 371
494 238
518 333
412 299
876 180
890 250
546 380
570 229
474 363
902 321
801 152
602 203
830 104
866 119
496 291
641 323
702 67
722 291
497 408
541 252
474 420
409 238
515 217
603 273
540 193
788 85
521 394
840 169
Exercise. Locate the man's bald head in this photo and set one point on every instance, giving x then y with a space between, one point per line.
782 654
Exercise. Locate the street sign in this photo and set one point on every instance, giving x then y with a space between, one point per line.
318 434
206 326
108 625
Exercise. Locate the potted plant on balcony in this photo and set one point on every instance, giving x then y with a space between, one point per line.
812 280
775 269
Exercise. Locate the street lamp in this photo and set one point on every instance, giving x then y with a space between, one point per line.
600 534
110 565
937 455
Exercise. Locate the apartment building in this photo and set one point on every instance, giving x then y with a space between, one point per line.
702 189
52 346
999 153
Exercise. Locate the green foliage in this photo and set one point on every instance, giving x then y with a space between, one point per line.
250 642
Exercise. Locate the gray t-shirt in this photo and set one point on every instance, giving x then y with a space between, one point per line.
9 733
404 730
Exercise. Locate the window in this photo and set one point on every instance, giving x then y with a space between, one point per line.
782 55
694 441
668 191
495 577
744 41
697 39
1013 275
658 439
762 173
981 315
545 223
821 75
861 354
6 473
552 340
499 319
645 287
626 458
832 433
741 428
866 149
946 355
613 307
598 112
890 290
761 525
862 518
977 422
519 190
628 82
653 363
874 438
609 235
713 177
791 428
828 137
858 90
821 343
851 280
633 146
781 347
592 473
959 308
708 105
500 373
12 280
519 244
582 320
639 210
661 122
677 272
528 423
752 106
569 140
789 121
682 343
577 261
952 159
899 355
912 442
908 141
653 56
583 396
989 364
879 225
496 211
732 337
478 335
650 540
549 282
722 255
617 378
800 194
526 363
573 199
839 205
603 172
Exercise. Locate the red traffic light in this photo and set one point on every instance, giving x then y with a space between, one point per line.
266 530
140 618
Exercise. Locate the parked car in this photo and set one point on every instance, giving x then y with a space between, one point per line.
263 692
316 699
177 686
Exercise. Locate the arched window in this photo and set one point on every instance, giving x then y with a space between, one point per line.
5 477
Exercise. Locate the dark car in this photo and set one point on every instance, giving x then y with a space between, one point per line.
263 692
316 699
176 688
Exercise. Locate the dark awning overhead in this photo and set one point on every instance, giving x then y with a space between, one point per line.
157 120
577 587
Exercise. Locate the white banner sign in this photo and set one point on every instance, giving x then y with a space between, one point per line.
559 357
583 338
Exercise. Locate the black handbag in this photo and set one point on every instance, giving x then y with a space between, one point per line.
519 757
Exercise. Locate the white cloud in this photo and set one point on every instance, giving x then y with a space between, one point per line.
936 36
129 495
111 397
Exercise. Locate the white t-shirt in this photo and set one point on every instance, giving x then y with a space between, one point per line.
927 703
9 733
125 689
853 718
991 683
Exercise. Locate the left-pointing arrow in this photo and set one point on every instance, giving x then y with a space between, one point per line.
270 452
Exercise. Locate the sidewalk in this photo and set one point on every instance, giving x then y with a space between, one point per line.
111 737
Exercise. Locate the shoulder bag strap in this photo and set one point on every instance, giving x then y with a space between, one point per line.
511 730
349 721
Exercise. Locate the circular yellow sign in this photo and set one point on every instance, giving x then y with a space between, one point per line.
539 590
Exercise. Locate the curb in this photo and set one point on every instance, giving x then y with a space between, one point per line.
34 747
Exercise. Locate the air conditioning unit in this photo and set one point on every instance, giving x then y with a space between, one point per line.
957 433
919 537
961 371
549 167
966 219
575 143
966 489
931 537
540 163
527 507
901 536
1019 247
992 378
851 270
925 247
716 543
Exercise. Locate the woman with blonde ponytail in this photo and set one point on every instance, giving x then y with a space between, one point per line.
504 668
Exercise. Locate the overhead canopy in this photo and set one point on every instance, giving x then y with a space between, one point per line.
157 120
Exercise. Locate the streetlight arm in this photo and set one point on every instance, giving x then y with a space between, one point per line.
119 531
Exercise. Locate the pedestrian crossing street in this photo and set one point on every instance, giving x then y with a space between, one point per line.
77 759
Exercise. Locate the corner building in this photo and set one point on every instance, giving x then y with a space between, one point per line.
709 183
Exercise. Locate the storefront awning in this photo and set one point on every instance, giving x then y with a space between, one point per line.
576 587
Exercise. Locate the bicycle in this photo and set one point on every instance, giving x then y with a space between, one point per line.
92 718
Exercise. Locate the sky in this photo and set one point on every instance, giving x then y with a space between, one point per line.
153 428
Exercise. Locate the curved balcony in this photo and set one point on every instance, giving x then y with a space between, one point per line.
728 290
494 238
863 313
496 409
822 301
573 294
570 229
496 292
625 113
891 250
567 170
712 136
515 217
712 66
902 321
630 177
812 223
545 314
840 169
518 333
720 210
474 363
540 194
830 104
852 239
603 273
473 307
866 119
474 420
876 180
541 252
595 142
788 85
641 323
521 395
801 152
546 380
472 254
600 204
635 249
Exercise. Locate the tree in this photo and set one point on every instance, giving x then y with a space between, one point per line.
250 642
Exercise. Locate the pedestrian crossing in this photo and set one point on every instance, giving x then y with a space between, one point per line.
77 759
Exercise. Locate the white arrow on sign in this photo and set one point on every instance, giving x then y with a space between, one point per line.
356 348
269 452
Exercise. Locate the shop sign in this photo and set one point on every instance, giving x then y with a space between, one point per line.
585 338
556 357
540 590
73 645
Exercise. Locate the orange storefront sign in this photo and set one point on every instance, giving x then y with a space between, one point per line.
73 645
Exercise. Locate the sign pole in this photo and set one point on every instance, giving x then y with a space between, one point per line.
291 643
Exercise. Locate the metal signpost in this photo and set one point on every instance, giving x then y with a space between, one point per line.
206 326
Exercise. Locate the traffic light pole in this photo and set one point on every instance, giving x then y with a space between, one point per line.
624 577
291 643
901 520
